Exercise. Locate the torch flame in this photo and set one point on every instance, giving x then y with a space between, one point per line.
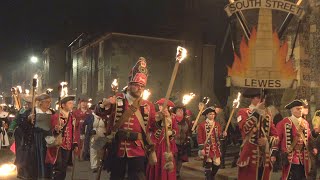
187 98
114 85
146 94
7 169
236 102
206 100
181 54
89 102
64 89
35 76
19 89
27 91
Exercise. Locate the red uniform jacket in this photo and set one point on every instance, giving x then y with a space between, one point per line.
80 117
157 172
127 147
247 162
212 146
68 141
299 154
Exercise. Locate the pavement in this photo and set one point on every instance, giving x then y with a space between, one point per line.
195 164
229 173
191 170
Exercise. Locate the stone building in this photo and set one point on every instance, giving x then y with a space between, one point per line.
95 61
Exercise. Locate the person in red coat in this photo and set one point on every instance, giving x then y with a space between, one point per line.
59 156
260 139
294 134
130 142
209 144
159 171
81 114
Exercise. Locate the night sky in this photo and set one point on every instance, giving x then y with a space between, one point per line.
27 27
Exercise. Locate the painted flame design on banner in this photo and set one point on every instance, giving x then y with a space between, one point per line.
242 64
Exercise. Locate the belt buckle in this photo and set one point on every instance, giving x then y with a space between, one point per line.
127 134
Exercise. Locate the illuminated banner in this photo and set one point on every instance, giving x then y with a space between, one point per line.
261 83
262 63
280 5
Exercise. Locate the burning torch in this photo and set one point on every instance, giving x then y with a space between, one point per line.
15 95
180 56
63 91
146 94
202 104
187 98
115 86
49 90
34 86
235 105
27 91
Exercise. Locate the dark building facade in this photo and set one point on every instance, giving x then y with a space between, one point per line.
96 62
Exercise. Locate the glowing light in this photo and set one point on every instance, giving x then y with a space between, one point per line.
34 59
27 91
236 102
89 105
64 89
146 94
19 89
181 54
57 106
114 85
89 102
187 98
7 169
124 88
206 100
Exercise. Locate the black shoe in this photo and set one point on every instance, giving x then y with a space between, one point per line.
95 170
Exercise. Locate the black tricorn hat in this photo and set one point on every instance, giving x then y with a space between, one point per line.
208 110
252 92
67 98
294 103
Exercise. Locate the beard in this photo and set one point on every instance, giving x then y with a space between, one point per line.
134 93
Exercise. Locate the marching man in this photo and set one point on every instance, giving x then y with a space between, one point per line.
294 134
129 121
260 139
63 125
209 132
